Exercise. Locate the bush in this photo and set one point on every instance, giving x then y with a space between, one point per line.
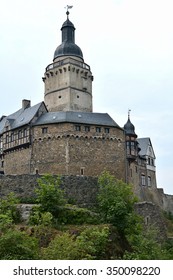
49 194
116 203
5 222
89 245
16 245
74 215
38 218
62 247
8 206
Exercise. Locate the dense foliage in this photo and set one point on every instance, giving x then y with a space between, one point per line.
59 231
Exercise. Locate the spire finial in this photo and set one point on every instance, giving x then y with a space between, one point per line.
68 7
129 110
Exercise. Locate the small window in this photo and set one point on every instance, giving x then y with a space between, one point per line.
82 171
149 181
87 128
77 96
77 127
143 180
12 137
98 129
136 168
44 130
20 134
2 164
149 161
107 129
59 96
25 132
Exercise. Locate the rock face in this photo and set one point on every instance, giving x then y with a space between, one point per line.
25 210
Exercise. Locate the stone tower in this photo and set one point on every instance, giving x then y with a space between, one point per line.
68 80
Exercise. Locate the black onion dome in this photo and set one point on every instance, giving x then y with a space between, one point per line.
129 128
68 46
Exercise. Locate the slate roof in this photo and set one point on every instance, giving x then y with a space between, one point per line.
20 117
77 117
143 145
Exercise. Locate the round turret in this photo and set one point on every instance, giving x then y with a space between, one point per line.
129 128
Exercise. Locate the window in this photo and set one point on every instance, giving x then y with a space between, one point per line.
149 181
98 129
143 180
136 168
78 127
20 134
107 130
2 164
82 171
152 162
87 128
149 161
44 130
25 132
7 139
12 137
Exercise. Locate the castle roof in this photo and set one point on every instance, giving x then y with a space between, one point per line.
19 118
77 117
129 128
144 143
68 46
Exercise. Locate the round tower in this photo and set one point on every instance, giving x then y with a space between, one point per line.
68 80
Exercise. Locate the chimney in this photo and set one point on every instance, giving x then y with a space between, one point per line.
26 104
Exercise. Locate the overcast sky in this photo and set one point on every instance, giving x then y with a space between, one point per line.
127 43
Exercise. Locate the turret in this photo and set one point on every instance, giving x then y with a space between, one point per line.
68 80
132 148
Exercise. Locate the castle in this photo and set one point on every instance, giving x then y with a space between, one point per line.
62 135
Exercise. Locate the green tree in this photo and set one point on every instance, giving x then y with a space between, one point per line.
8 206
93 242
49 194
145 246
16 245
116 204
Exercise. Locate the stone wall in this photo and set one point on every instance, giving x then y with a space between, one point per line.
82 190
62 150
18 161
152 217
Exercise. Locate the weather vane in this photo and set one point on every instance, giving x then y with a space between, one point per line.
129 110
68 7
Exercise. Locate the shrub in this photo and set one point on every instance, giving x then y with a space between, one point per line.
74 215
16 245
49 194
8 206
116 203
